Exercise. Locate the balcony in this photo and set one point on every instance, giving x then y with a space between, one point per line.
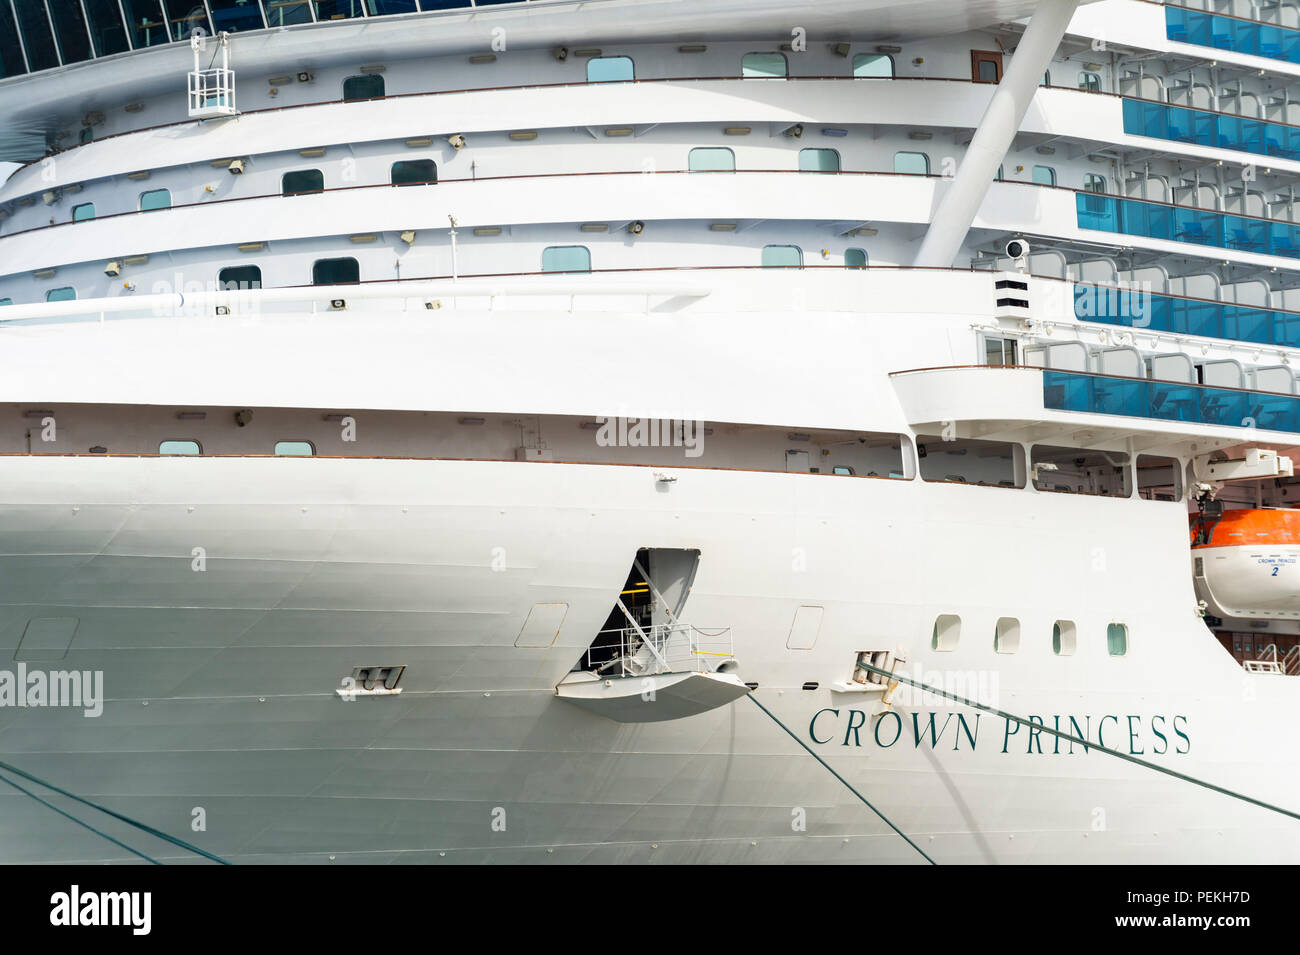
1186 316
1170 401
1231 33
1206 128
1160 220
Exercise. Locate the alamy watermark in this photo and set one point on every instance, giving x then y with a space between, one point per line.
45 688
682 433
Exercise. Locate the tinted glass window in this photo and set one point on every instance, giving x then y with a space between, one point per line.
11 54
1045 175
65 294
819 160
366 86
70 31
240 277
763 66
566 258
179 447
609 69
337 9
379 8
36 35
873 66
335 272
299 448
186 16
235 15
855 258
283 13
145 23
712 159
914 163
106 29
84 211
782 256
302 180
155 199
414 172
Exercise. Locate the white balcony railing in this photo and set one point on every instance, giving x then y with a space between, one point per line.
664 648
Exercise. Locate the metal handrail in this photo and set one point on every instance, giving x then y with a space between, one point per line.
661 648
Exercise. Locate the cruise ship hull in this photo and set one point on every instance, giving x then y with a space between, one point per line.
225 600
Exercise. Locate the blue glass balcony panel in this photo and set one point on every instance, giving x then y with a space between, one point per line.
1170 401
1232 33
1158 220
1204 128
1185 316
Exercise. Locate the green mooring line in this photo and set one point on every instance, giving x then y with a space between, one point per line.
846 783
80 822
143 827
1085 743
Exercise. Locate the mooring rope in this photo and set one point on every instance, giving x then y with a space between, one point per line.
144 827
846 783
80 822
1075 739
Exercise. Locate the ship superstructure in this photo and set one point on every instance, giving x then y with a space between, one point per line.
433 424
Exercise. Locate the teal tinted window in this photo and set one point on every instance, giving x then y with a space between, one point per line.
299 448
566 258
366 86
1116 639
819 160
873 66
763 66
855 258
179 447
84 211
335 272
609 69
302 181
712 159
414 172
1045 175
782 257
65 294
915 164
283 13
239 277
6 301
155 199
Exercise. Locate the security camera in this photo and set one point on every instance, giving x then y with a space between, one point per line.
1017 249
236 167
636 228
243 416
795 131
561 53
113 269
456 141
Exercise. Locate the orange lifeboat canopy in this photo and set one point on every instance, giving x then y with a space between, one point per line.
1249 526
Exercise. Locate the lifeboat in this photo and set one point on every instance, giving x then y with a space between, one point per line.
1246 563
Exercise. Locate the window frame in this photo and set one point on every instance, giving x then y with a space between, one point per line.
284 179
690 157
559 248
153 192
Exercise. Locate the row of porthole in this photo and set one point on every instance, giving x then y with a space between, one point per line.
555 258
282 448
1006 636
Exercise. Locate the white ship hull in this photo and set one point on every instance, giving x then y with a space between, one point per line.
221 683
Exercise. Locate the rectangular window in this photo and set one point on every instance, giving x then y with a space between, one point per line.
302 181
873 66
913 164
819 160
65 294
365 86
239 277
186 16
83 212
999 352
70 31
106 28
1159 478
179 447
1092 182
1006 635
763 66
414 172
234 16
35 28
1090 82
782 257
566 258
985 66
303 449
11 53
610 69
712 159
855 258
1116 639
344 271
155 199
338 9
968 461
1080 471
1045 175
146 25
283 13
